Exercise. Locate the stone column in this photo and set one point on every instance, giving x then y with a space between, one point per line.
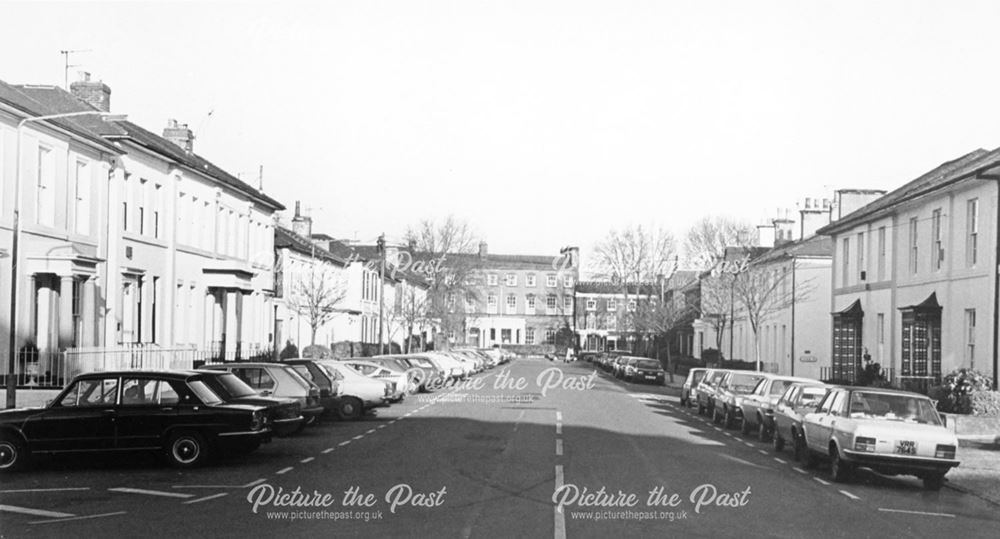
89 310
65 311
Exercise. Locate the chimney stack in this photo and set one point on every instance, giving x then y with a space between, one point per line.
96 93
301 224
482 249
765 235
180 135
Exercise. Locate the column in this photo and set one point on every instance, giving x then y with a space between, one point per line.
230 322
89 310
65 311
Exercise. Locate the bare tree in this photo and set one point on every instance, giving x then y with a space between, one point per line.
409 313
717 303
315 294
706 241
763 291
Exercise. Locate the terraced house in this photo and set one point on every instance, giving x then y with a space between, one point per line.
915 276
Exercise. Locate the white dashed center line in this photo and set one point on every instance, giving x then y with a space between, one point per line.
849 495
125 490
820 481
800 470
345 442
285 470
206 498
948 515
780 460
328 450
559 447
306 460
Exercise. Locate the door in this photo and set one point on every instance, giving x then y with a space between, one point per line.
147 409
82 420
819 431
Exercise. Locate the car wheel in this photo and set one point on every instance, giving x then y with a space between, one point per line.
351 408
778 442
934 481
811 460
716 417
799 448
729 420
13 453
186 449
745 427
840 471
684 402
762 433
701 409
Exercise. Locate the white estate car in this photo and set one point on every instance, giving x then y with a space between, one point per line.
358 392
891 432
381 372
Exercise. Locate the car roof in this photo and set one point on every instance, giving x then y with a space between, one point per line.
245 364
173 374
887 391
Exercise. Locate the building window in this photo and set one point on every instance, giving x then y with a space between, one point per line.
567 303
881 253
610 322
510 279
591 321
550 280
491 303
861 254
531 304
529 279
470 303
143 187
631 304
81 201
880 327
612 306
491 279
845 262
972 232
921 344
45 187
913 245
591 304
550 336
157 201
568 281
937 247
550 304
529 335
77 312
511 304
970 337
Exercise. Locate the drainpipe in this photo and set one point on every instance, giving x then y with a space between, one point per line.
792 343
996 294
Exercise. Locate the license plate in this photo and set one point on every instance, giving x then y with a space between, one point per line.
906 447
648 377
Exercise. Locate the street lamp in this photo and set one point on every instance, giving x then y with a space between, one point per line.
15 242
381 292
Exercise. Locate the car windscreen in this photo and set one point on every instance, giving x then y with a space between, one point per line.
230 385
651 365
421 362
204 394
892 407
744 383
812 395
778 387
299 379
697 376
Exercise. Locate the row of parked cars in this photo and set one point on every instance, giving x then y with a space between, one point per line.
629 368
222 409
891 432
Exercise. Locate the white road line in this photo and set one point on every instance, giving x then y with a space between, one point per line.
559 449
284 470
306 460
206 498
328 450
126 490
34 512
748 444
849 495
558 416
382 426
800 470
820 481
558 428
780 460
370 431
345 442
762 452
559 515
884 510
23 490
358 437
78 518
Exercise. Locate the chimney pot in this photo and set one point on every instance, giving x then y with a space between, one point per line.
179 134
95 93
482 248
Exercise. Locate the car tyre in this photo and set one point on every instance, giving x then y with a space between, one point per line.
701 409
728 419
811 460
840 471
778 442
13 453
745 426
351 408
185 449
799 448
716 416
762 433
933 481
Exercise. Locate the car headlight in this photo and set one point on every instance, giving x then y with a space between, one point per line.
257 421
944 452
862 443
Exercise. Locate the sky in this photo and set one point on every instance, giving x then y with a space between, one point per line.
542 123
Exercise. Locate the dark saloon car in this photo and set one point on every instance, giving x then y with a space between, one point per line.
285 415
327 382
640 369
173 413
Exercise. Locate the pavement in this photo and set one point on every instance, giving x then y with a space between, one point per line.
523 450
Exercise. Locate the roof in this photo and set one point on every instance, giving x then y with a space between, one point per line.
38 101
501 261
287 239
365 253
613 289
170 374
55 100
814 246
941 176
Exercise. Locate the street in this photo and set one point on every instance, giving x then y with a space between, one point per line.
485 460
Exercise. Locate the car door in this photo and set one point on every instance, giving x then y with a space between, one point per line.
147 409
783 410
83 419
821 428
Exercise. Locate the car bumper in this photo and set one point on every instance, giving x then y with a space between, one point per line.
898 463
313 412
285 427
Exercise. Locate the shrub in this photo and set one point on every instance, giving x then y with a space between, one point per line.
711 355
872 375
985 403
957 390
316 351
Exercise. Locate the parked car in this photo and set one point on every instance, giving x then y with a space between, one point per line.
618 366
589 357
891 432
173 413
380 372
456 370
277 380
690 387
425 371
706 390
328 382
640 369
798 400
285 415
757 408
360 393
733 388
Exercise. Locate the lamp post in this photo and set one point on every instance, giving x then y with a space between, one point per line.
381 292
16 238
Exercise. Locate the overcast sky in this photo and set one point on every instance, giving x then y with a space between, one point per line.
543 123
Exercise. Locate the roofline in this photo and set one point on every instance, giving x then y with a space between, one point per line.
93 140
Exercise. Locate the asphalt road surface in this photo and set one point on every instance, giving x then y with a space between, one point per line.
505 456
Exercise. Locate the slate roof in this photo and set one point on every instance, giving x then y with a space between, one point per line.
286 238
941 176
612 289
813 246
32 103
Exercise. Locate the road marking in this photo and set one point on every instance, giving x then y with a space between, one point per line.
559 449
23 490
558 428
345 442
800 470
748 444
820 481
126 490
254 483
741 461
762 452
559 515
883 509
34 512
370 431
780 460
284 470
558 416
206 498
849 495
306 460
328 450
382 426
78 518
358 437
